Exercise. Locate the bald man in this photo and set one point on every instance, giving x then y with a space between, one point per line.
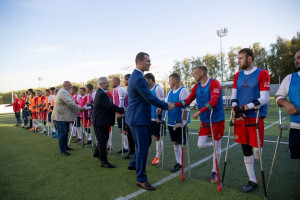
17 108
65 110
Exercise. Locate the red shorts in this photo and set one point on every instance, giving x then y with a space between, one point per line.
34 115
247 135
218 128
87 122
43 116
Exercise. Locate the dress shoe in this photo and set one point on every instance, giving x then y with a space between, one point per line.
131 168
128 156
108 165
145 185
69 149
249 186
65 154
124 151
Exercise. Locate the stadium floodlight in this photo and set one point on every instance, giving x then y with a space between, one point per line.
40 79
222 32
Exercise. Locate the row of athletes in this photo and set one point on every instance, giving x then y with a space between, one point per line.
250 92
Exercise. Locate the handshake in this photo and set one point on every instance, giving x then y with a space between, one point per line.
171 106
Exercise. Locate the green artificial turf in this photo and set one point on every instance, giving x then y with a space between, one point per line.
32 168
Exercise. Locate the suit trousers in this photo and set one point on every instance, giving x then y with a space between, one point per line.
142 139
63 130
102 134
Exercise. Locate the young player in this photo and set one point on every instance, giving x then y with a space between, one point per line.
24 111
208 93
50 106
158 92
28 109
119 94
33 103
41 110
77 129
83 115
177 93
17 109
250 92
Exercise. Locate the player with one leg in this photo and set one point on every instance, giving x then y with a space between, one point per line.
176 94
250 92
208 93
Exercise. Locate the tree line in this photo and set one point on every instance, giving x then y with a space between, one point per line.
278 60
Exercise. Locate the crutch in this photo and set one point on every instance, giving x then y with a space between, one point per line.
122 135
162 140
83 129
215 153
259 151
281 127
188 149
71 134
110 146
159 120
47 124
227 148
182 154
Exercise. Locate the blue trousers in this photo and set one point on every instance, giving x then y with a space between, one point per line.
142 138
24 116
63 130
18 117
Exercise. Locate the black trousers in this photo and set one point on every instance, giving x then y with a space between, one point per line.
102 134
130 141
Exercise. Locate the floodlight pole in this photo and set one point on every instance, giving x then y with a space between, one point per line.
221 33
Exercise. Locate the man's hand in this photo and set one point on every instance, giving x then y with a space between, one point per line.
196 114
125 110
88 103
238 112
82 109
171 106
159 111
291 108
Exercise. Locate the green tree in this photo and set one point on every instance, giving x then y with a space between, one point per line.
212 62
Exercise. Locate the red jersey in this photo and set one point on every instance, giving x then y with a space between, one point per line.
16 105
23 101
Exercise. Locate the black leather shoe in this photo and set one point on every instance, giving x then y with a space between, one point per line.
65 154
176 168
146 186
131 168
69 149
249 187
124 151
129 156
108 165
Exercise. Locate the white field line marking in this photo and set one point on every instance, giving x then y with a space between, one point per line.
135 194
132 195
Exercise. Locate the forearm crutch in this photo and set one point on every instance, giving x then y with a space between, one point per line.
215 153
227 147
281 127
259 151
71 134
47 124
188 149
182 153
122 135
83 129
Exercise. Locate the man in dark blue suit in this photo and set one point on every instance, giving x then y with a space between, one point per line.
138 117
103 117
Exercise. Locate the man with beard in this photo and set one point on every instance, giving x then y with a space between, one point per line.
250 92
290 86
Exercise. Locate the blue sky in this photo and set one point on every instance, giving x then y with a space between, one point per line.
78 40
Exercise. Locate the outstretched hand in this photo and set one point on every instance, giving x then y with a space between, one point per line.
171 106
196 114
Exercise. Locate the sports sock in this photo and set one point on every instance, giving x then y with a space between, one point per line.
125 142
109 139
79 133
177 152
218 153
249 163
158 144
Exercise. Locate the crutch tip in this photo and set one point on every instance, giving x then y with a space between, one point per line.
219 188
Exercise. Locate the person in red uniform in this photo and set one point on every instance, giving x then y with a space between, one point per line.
208 93
17 109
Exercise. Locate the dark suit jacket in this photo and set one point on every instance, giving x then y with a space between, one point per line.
104 110
140 99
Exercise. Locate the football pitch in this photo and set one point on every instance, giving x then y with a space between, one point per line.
32 168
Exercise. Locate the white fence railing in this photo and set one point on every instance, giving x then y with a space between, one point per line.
4 109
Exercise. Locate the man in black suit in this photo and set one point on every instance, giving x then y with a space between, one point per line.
103 116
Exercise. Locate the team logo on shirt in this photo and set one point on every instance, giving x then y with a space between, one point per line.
246 80
216 90
267 84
